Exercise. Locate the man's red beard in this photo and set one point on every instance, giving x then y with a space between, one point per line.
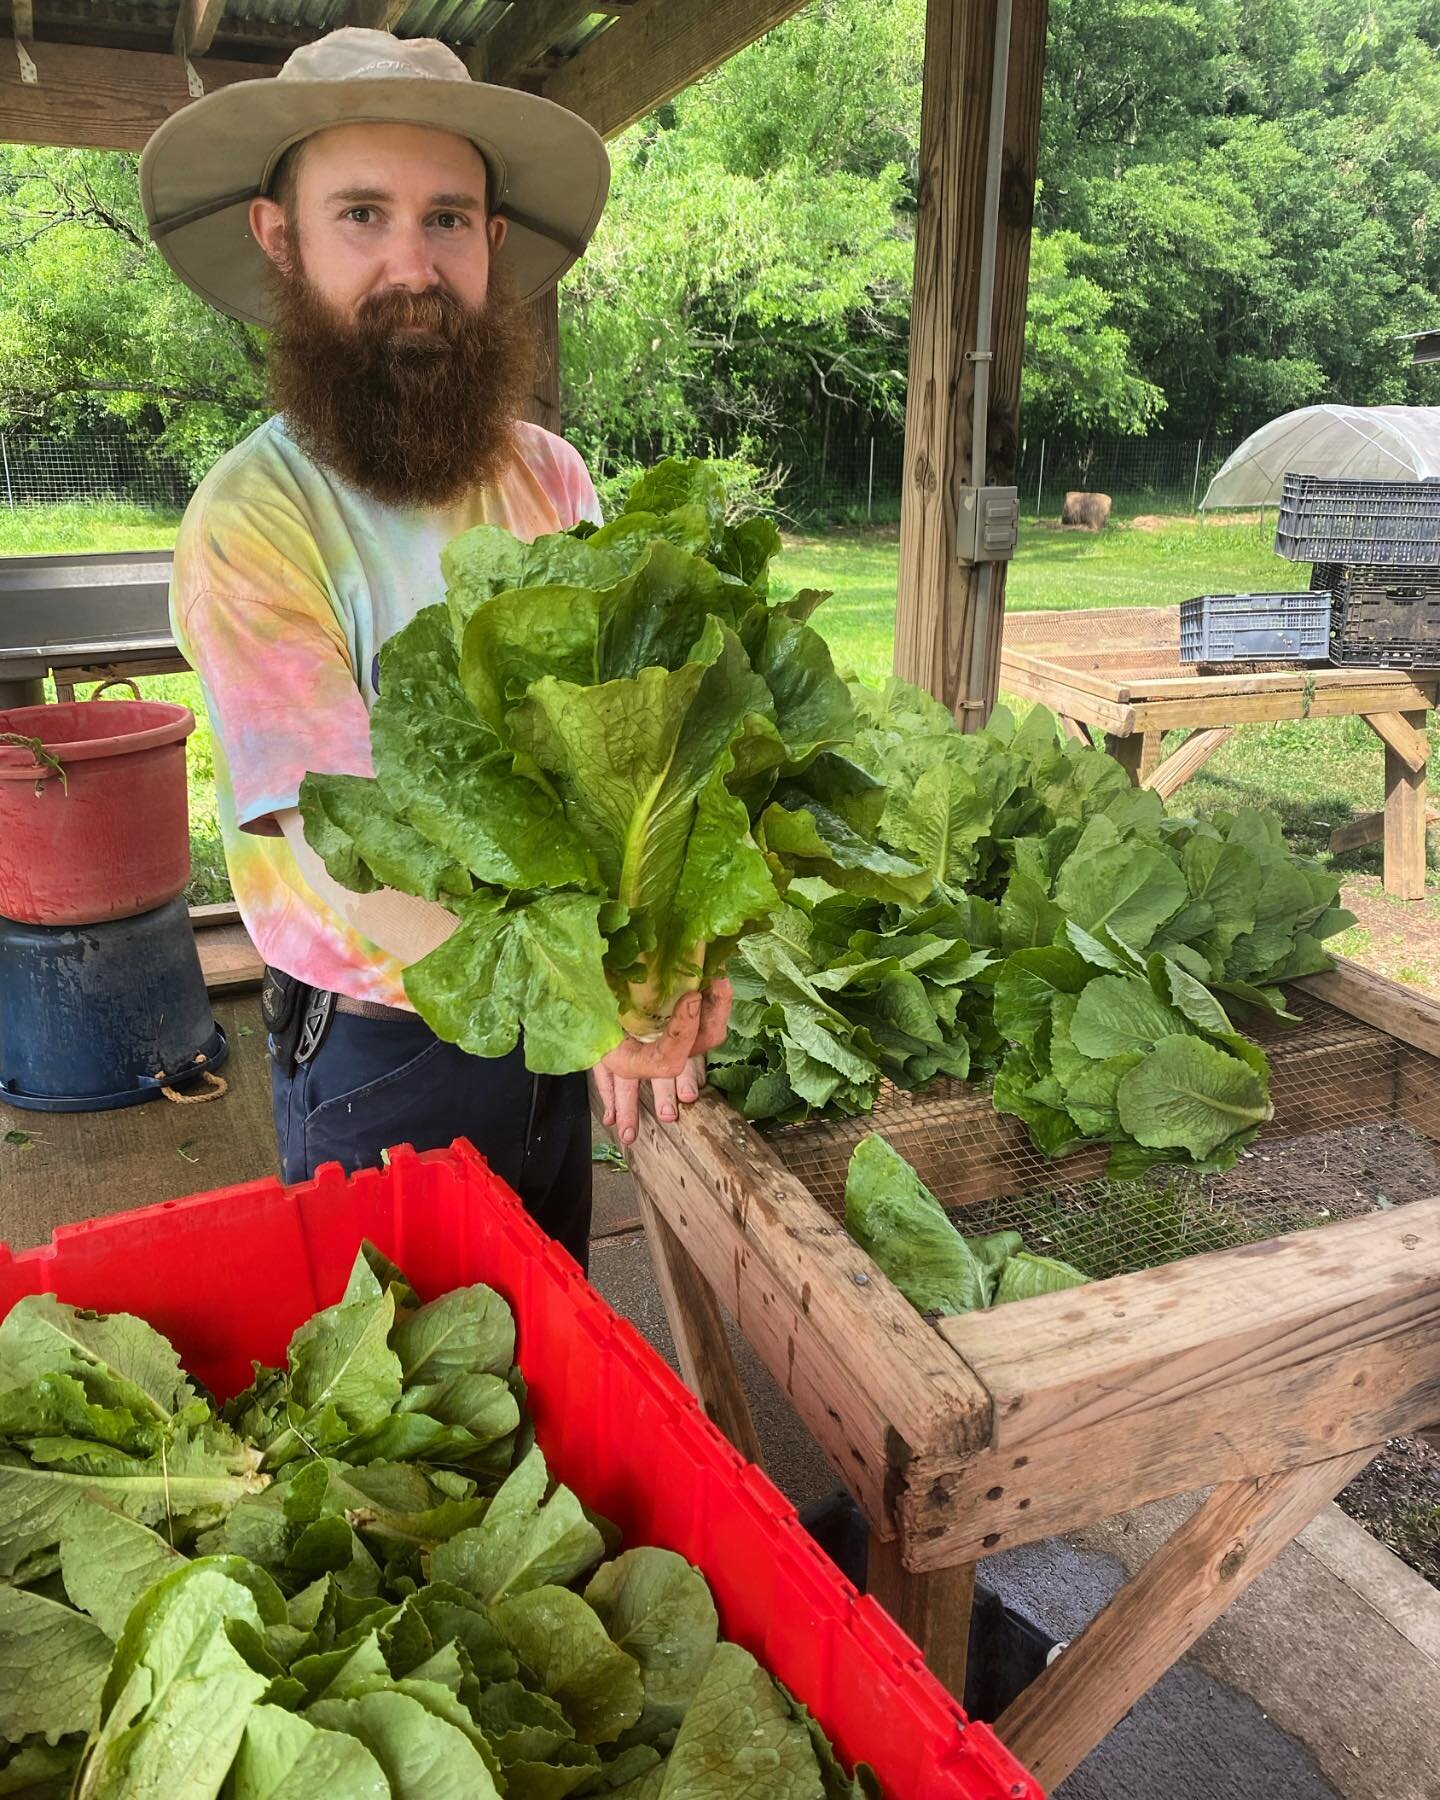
413 421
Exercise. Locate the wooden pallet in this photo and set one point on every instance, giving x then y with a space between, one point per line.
1269 1372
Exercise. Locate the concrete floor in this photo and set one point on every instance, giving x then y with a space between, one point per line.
1323 1680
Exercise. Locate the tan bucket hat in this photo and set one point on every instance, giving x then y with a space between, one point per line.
549 171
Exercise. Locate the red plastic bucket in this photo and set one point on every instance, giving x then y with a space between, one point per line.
103 830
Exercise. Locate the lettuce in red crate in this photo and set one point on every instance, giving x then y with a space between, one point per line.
359 1573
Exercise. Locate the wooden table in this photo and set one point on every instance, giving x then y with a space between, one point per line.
1114 674
1268 1373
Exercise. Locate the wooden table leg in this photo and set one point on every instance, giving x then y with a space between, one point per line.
698 1327
1076 729
1405 796
1171 774
933 1609
1128 751
1219 1550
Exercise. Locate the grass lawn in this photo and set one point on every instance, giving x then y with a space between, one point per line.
1314 774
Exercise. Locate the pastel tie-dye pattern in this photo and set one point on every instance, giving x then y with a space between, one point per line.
286 582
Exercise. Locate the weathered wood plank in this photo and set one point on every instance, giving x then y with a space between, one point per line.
949 613
1075 730
104 99
657 48
1234 1535
1098 713
1129 752
932 1610
544 406
1398 732
1267 1356
1405 796
1399 1011
195 24
874 1384
526 32
1171 775
698 1329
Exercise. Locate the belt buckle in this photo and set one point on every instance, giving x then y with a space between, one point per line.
319 1008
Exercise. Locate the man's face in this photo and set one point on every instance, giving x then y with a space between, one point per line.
382 209
400 358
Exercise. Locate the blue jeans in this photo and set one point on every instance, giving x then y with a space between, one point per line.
377 1082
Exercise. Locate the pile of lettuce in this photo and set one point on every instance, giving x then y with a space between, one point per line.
1092 943
892 1214
358 1579
603 752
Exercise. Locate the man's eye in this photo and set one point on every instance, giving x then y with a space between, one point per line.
441 217
355 210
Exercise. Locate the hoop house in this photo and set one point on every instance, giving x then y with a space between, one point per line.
1355 443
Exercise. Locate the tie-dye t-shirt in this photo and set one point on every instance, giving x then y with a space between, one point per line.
286 582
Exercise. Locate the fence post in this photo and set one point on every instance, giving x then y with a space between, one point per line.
1195 484
870 489
9 490
1040 484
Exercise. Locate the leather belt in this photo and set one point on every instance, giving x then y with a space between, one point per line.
370 1009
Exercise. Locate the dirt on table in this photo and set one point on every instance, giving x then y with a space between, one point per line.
1397 1499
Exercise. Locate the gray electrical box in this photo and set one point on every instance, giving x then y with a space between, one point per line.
987 524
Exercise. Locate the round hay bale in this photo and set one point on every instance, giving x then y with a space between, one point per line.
1086 512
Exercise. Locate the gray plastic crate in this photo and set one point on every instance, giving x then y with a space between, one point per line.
1223 628
1390 522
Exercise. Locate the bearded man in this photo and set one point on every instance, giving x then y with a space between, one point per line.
388 219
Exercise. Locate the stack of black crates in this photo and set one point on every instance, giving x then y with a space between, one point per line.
1375 546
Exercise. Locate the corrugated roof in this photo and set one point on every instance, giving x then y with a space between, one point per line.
146 24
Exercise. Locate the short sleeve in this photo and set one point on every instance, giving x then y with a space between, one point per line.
253 617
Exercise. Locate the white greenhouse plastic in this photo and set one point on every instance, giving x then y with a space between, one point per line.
1348 443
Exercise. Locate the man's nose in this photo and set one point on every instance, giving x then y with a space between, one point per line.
409 262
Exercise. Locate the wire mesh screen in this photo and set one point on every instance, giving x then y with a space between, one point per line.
36 471
1353 1108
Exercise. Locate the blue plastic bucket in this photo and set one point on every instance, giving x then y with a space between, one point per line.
99 1016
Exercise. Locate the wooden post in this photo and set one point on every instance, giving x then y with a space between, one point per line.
544 407
1215 1555
1128 751
933 1610
935 617
698 1328
1406 747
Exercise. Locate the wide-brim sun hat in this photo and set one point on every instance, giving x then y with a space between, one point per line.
549 171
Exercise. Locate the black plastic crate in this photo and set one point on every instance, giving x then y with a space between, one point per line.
1382 616
1394 523
1228 628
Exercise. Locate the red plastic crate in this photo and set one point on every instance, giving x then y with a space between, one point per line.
227 1276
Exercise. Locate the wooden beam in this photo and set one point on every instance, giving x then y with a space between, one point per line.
1267 1356
938 614
655 50
1405 796
1235 1534
1169 776
1368 828
1400 1012
376 15
526 32
195 25
103 99
1128 751
932 1610
1399 732
698 1328
544 406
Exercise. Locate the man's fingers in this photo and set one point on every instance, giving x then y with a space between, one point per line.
662 1094
690 1081
666 1056
627 1109
605 1087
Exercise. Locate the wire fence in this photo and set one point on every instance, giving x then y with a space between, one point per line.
853 479
37 471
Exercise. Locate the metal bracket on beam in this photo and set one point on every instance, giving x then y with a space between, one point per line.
22 19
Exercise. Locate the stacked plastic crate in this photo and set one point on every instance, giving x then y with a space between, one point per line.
1375 546
1374 595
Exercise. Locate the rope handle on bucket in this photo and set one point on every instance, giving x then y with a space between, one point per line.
216 1085
116 681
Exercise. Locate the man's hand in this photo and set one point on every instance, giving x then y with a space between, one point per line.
674 1064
